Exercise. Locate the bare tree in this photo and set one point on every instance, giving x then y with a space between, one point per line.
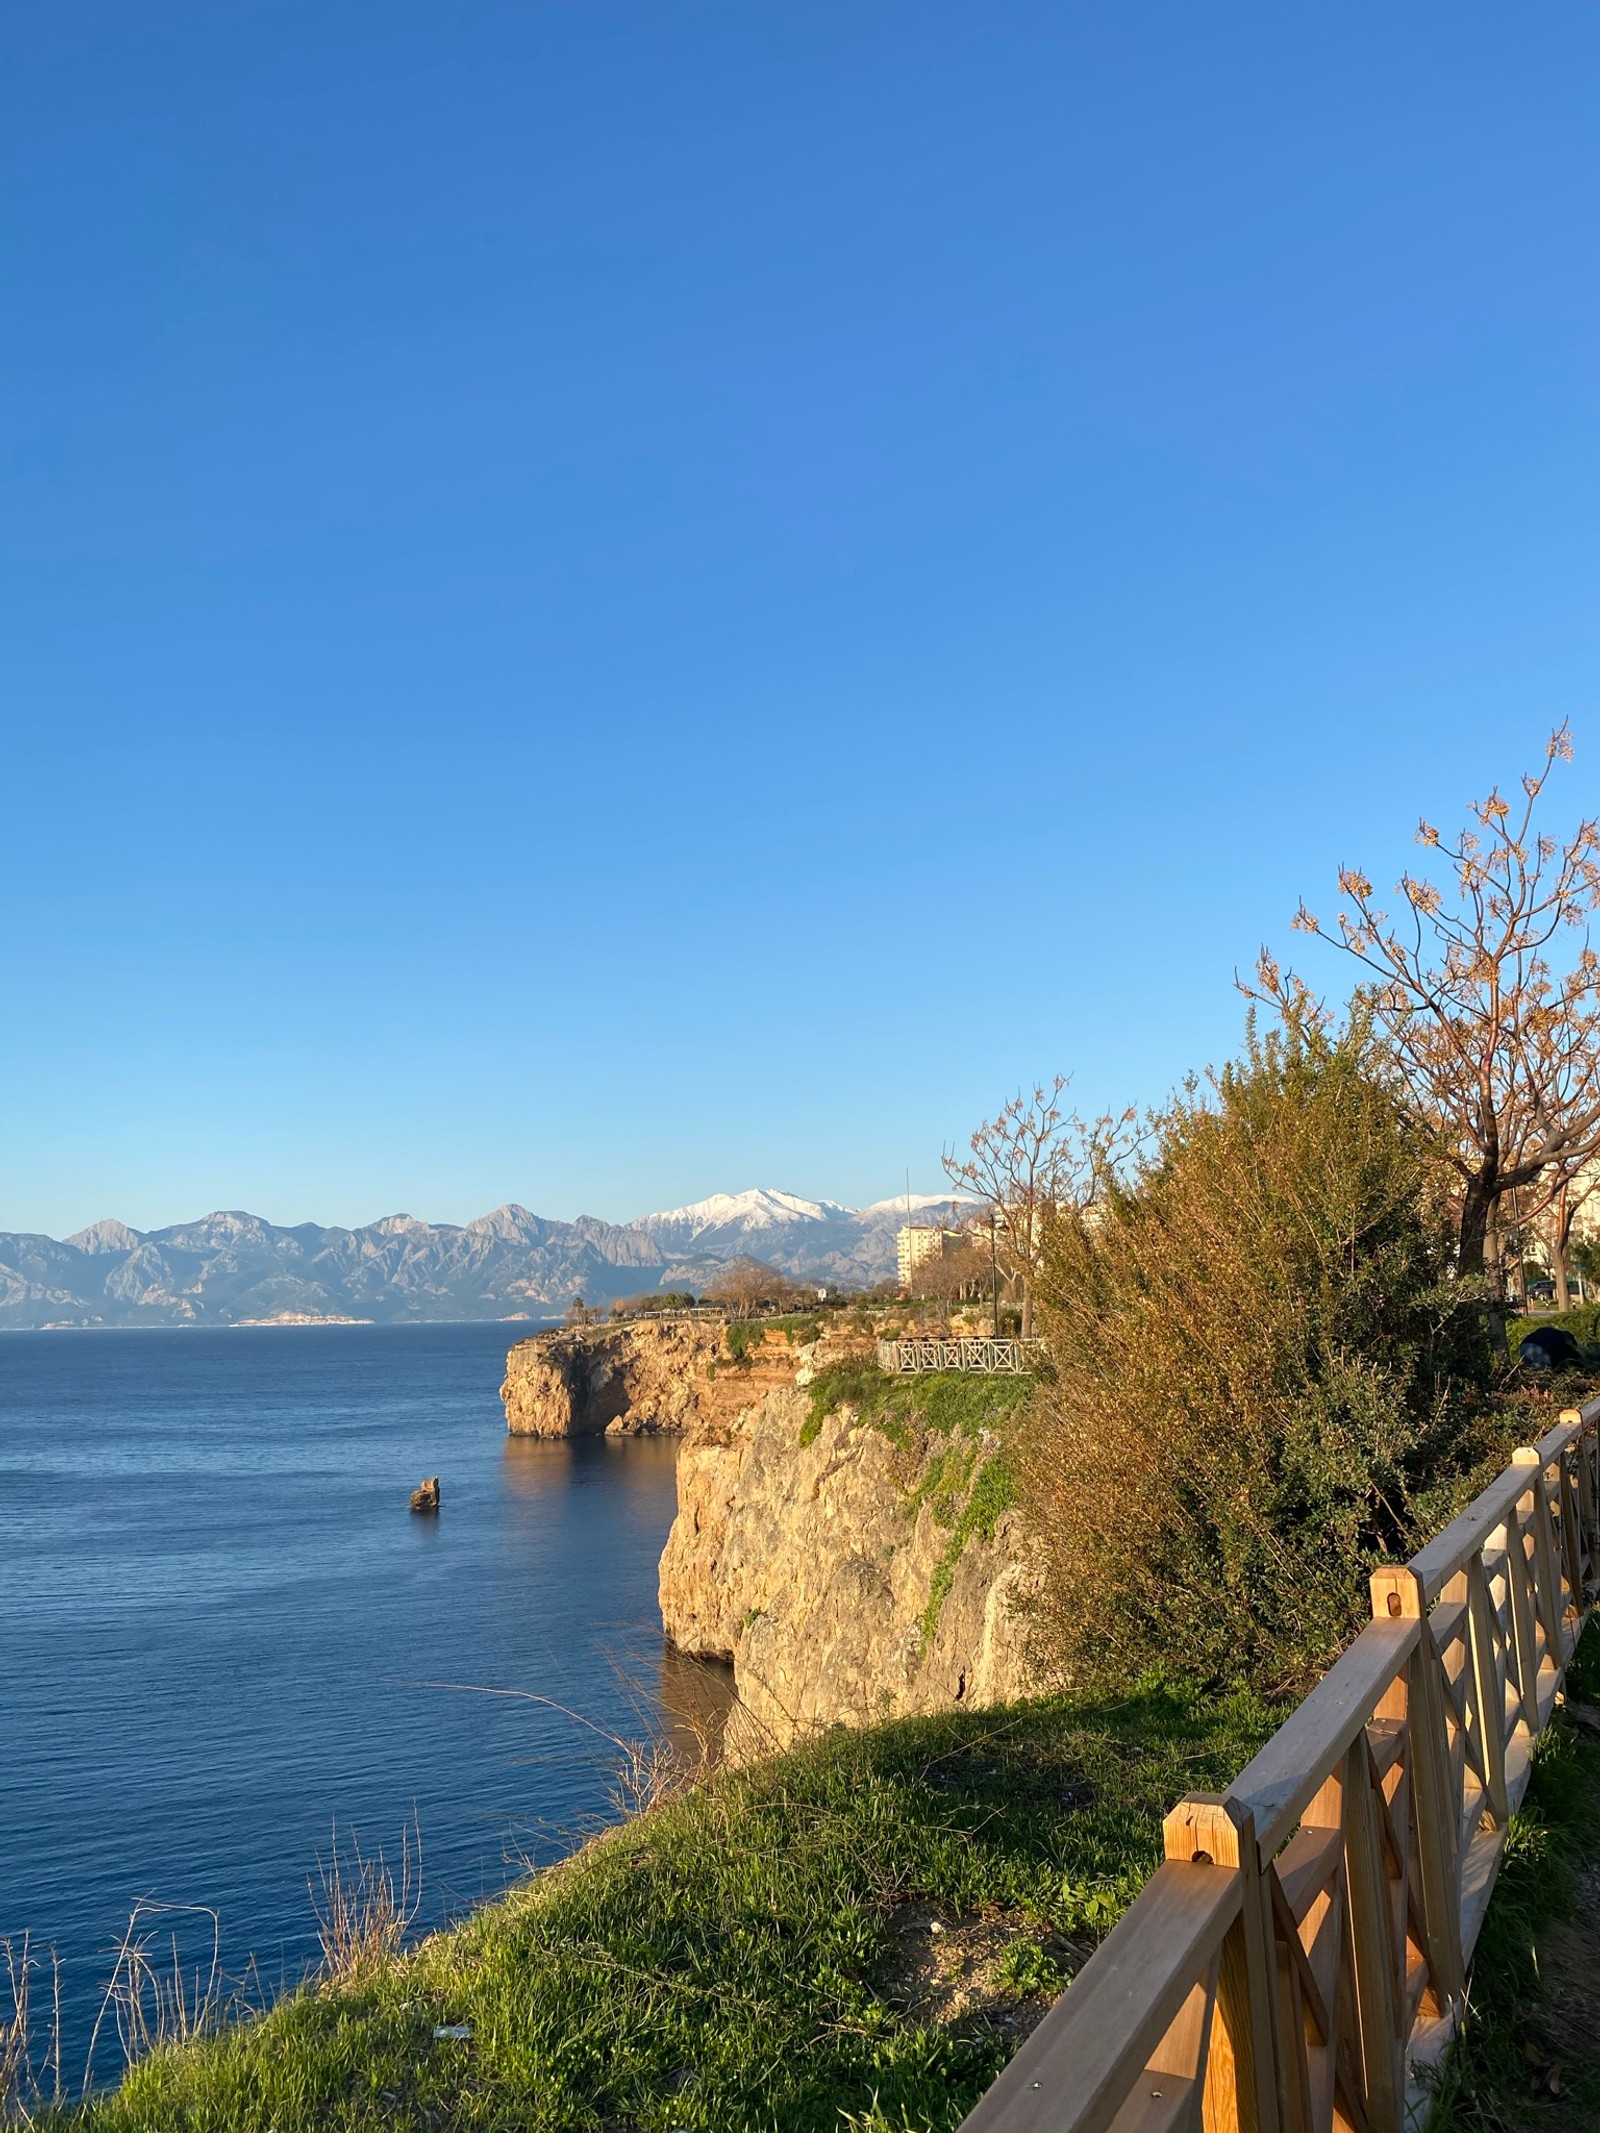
1496 1035
1028 1164
747 1285
962 1269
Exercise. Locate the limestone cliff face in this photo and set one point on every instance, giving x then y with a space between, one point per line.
629 1380
824 1573
837 1567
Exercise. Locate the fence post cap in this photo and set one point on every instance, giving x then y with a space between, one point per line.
1397 1593
1209 1825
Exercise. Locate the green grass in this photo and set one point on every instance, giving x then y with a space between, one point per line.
947 1402
965 1487
719 1964
1486 2085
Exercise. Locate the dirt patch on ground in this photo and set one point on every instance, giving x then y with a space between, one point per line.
1561 2044
962 1974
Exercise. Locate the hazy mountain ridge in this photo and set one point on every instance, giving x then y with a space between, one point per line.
231 1267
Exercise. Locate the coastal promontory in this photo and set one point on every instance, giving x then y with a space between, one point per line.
844 1540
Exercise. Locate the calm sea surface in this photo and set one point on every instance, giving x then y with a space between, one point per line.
218 1620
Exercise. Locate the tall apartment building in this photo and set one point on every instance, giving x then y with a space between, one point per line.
914 1244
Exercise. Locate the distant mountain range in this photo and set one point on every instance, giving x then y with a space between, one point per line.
234 1269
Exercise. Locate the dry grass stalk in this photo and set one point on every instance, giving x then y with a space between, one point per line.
643 1770
363 1912
155 1997
30 2076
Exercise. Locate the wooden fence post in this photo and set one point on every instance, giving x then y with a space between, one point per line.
1568 1478
1492 1660
1372 1945
1552 1606
1241 2089
1522 1615
1436 1810
1589 1502
1321 1971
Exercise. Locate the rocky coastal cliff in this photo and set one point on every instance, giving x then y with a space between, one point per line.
841 1569
642 1376
849 1550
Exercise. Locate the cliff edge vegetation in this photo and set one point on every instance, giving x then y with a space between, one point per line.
855 1934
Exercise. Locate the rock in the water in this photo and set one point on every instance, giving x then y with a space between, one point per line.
427 1497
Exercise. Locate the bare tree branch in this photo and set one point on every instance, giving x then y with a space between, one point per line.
1497 1046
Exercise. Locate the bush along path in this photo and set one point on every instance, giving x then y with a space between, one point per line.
852 1934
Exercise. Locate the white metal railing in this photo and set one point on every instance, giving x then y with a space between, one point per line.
998 1357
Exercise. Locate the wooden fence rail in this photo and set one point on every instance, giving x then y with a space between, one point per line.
1299 1961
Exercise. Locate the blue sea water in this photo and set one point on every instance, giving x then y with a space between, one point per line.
221 1630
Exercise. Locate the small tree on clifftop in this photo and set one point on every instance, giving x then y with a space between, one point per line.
1030 1163
746 1285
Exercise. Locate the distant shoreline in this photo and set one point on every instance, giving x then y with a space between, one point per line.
287 1325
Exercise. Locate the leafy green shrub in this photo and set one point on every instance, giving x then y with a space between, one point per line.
1265 1380
742 1335
992 1491
797 1327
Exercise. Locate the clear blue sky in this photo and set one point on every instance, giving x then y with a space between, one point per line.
601 602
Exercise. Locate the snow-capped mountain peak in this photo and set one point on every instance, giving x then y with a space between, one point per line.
761 1207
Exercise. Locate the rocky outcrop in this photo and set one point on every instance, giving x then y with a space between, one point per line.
843 1577
645 1375
845 1571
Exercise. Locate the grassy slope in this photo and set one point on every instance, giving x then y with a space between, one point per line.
719 1963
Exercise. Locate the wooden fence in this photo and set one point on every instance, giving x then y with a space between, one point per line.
1299 1961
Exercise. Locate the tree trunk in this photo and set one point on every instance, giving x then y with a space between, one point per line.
1558 1269
1479 1256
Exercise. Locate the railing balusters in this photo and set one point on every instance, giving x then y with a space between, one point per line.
1319 1959
1005 1356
